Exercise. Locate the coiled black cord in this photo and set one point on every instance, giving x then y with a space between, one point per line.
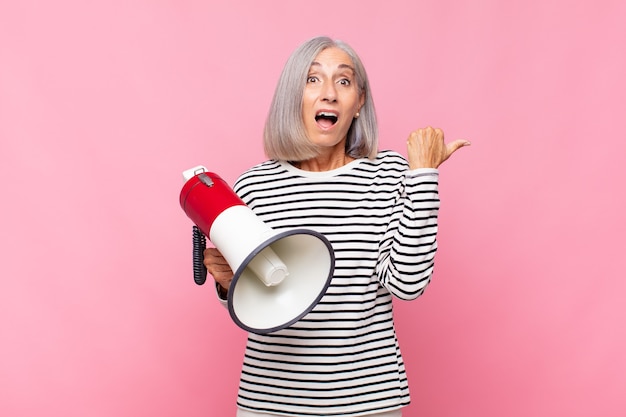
199 245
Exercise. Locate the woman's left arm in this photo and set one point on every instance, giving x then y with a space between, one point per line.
407 251
407 254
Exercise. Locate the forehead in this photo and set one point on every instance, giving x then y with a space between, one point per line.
333 58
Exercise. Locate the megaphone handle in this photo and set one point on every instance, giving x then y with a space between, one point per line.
199 245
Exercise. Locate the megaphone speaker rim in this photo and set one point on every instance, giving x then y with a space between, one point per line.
242 267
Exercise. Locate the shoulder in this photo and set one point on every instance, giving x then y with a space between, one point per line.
259 174
389 157
387 161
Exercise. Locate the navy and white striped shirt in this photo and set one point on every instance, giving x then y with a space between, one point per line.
343 358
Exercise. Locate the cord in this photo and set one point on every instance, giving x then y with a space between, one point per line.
199 245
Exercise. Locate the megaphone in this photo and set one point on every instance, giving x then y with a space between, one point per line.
279 276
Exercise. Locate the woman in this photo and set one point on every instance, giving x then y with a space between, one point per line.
380 214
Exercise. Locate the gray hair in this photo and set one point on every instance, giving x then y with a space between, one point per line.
284 136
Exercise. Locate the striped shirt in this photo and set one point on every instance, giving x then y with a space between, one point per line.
343 358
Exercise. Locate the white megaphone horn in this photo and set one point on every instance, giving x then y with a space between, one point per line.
279 276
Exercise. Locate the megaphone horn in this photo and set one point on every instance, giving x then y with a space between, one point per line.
279 277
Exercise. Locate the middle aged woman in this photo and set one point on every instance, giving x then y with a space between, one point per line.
380 214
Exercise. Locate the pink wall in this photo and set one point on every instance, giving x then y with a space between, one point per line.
103 104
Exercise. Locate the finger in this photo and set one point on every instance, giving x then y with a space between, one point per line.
456 145
212 265
214 255
221 275
217 265
212 252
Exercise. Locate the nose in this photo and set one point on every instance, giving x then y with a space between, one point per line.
329 93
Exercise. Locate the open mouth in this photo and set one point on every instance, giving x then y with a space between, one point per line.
326 119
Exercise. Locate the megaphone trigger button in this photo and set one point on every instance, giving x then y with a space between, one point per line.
205 179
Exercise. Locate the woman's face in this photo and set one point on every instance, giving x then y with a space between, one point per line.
331 99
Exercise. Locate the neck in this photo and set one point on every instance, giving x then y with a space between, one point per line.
324 162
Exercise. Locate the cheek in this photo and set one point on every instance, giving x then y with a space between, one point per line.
356 101
307 105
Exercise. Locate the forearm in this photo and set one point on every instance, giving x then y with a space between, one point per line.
407 260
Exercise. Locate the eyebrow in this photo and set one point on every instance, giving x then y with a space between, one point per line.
341 66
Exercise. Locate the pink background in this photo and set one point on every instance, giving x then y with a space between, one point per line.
103 104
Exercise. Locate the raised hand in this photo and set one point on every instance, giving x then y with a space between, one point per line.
426 148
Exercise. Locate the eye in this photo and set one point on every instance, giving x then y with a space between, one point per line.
345 81
312 79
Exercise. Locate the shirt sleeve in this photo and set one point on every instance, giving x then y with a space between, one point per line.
407 251
223 301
